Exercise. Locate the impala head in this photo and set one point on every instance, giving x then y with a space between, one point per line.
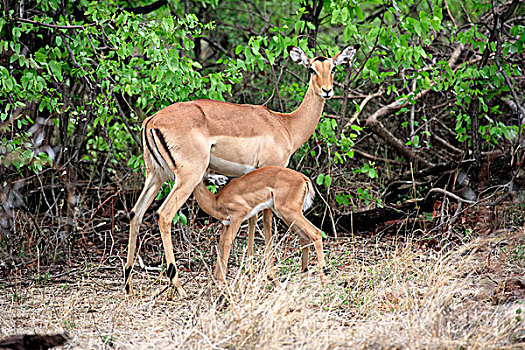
322 68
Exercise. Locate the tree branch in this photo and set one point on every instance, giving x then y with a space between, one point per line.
362 106
377 128
148 8
55 26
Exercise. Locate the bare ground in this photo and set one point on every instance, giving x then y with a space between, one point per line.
386 293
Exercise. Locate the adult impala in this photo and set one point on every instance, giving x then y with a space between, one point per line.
284 191
185 139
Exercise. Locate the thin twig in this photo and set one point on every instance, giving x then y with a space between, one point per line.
56 26
362 106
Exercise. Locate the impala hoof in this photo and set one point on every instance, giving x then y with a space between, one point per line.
128 286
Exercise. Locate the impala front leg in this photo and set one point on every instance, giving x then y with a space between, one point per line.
225 245
185 182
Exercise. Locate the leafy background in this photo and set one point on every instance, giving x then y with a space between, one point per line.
434 96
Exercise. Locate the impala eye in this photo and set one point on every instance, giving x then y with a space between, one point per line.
312 71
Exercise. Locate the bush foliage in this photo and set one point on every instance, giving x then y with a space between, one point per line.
435 82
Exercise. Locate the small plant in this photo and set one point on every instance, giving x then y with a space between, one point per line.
324 179
108 340
42 277
518 254
368 169
17 298
68 324
364 195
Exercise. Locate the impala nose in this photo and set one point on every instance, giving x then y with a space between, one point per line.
327 93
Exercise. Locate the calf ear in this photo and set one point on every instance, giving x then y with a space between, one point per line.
298 56
346 55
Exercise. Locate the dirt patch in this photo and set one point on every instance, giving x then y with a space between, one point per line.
385 294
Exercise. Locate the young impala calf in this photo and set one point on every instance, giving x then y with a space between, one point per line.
286 192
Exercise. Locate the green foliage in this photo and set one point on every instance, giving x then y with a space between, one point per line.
180 217
121 58
368 169
324 180
77 80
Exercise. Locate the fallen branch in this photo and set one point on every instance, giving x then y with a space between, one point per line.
448 194
367 221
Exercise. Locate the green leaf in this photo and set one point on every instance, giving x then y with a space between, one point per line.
8 83
345 14
327 180
320 179
183 219
55 70
359 14
239 49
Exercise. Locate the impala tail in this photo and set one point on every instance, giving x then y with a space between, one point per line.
310 194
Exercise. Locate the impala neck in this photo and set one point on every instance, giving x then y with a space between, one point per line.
207 201
302 122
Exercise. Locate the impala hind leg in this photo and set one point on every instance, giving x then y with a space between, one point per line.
151 187
305 229
217 271
305 250
251 241
268 249
186 179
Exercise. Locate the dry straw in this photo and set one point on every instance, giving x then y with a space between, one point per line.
384 295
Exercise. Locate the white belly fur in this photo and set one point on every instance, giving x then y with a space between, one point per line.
228 168
259 207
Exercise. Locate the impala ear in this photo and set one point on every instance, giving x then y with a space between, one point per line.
298 56
346 55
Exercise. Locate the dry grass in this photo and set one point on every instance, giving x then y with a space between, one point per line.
393 295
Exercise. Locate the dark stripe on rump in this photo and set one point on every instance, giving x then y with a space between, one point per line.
156 148
142 138
148 145
165 146
200 109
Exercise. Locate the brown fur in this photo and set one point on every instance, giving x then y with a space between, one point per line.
286 187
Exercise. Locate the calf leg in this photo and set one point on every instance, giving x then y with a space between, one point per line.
251 238
225 245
